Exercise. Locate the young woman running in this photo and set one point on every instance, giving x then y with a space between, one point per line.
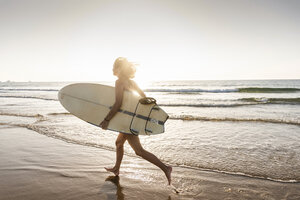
125 71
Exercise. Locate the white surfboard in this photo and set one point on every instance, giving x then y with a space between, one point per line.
91 103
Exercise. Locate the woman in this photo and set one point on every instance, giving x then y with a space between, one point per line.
125 71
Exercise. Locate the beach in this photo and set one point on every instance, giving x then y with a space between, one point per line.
224 140
35 166
222 87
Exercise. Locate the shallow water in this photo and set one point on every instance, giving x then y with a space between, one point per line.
245 127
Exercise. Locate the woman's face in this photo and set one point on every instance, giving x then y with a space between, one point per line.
116 71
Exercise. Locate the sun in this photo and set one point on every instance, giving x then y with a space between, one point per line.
143 83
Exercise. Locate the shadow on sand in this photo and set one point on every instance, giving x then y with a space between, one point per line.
116 181
117 191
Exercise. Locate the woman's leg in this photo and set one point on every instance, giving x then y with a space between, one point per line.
119 153
134 142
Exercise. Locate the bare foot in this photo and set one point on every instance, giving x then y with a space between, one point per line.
113 170
168 174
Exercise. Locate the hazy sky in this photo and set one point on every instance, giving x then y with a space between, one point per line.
78 40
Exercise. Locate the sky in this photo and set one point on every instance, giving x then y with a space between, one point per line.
76 40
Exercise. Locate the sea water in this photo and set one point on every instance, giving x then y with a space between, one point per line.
246 127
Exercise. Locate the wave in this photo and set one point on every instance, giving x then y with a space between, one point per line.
177 117
191 90
28 89
267 90
28 97
292 101
21 115
50 132
228 119
216 102
239 102
45 130
55 114
237 173
208 105
237 90
182 90
33 115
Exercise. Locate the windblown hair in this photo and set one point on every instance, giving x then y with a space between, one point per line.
127 69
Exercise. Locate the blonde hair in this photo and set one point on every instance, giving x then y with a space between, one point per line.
127 69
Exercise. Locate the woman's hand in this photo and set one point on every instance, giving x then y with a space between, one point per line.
119 88
104 124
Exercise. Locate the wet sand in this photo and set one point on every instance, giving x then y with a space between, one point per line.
35 166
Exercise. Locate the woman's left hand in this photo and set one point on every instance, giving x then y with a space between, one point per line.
104 124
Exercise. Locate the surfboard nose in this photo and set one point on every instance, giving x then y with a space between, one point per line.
60 96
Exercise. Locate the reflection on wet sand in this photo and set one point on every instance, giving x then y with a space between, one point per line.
116 181
119 195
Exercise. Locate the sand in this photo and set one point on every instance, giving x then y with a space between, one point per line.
34 166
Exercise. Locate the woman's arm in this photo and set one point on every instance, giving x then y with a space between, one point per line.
119 88
138 89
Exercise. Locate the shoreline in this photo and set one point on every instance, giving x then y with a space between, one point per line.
35 166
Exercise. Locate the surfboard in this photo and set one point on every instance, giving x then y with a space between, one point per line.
91 103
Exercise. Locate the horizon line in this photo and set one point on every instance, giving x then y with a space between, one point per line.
48 81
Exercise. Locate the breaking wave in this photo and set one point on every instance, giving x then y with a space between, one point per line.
51 132
273 100
29 97
268 90
29 89
228 119
240 90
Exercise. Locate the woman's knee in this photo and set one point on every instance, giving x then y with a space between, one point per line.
139 152
119 143
121 140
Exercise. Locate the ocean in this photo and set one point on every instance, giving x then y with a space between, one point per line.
245 127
